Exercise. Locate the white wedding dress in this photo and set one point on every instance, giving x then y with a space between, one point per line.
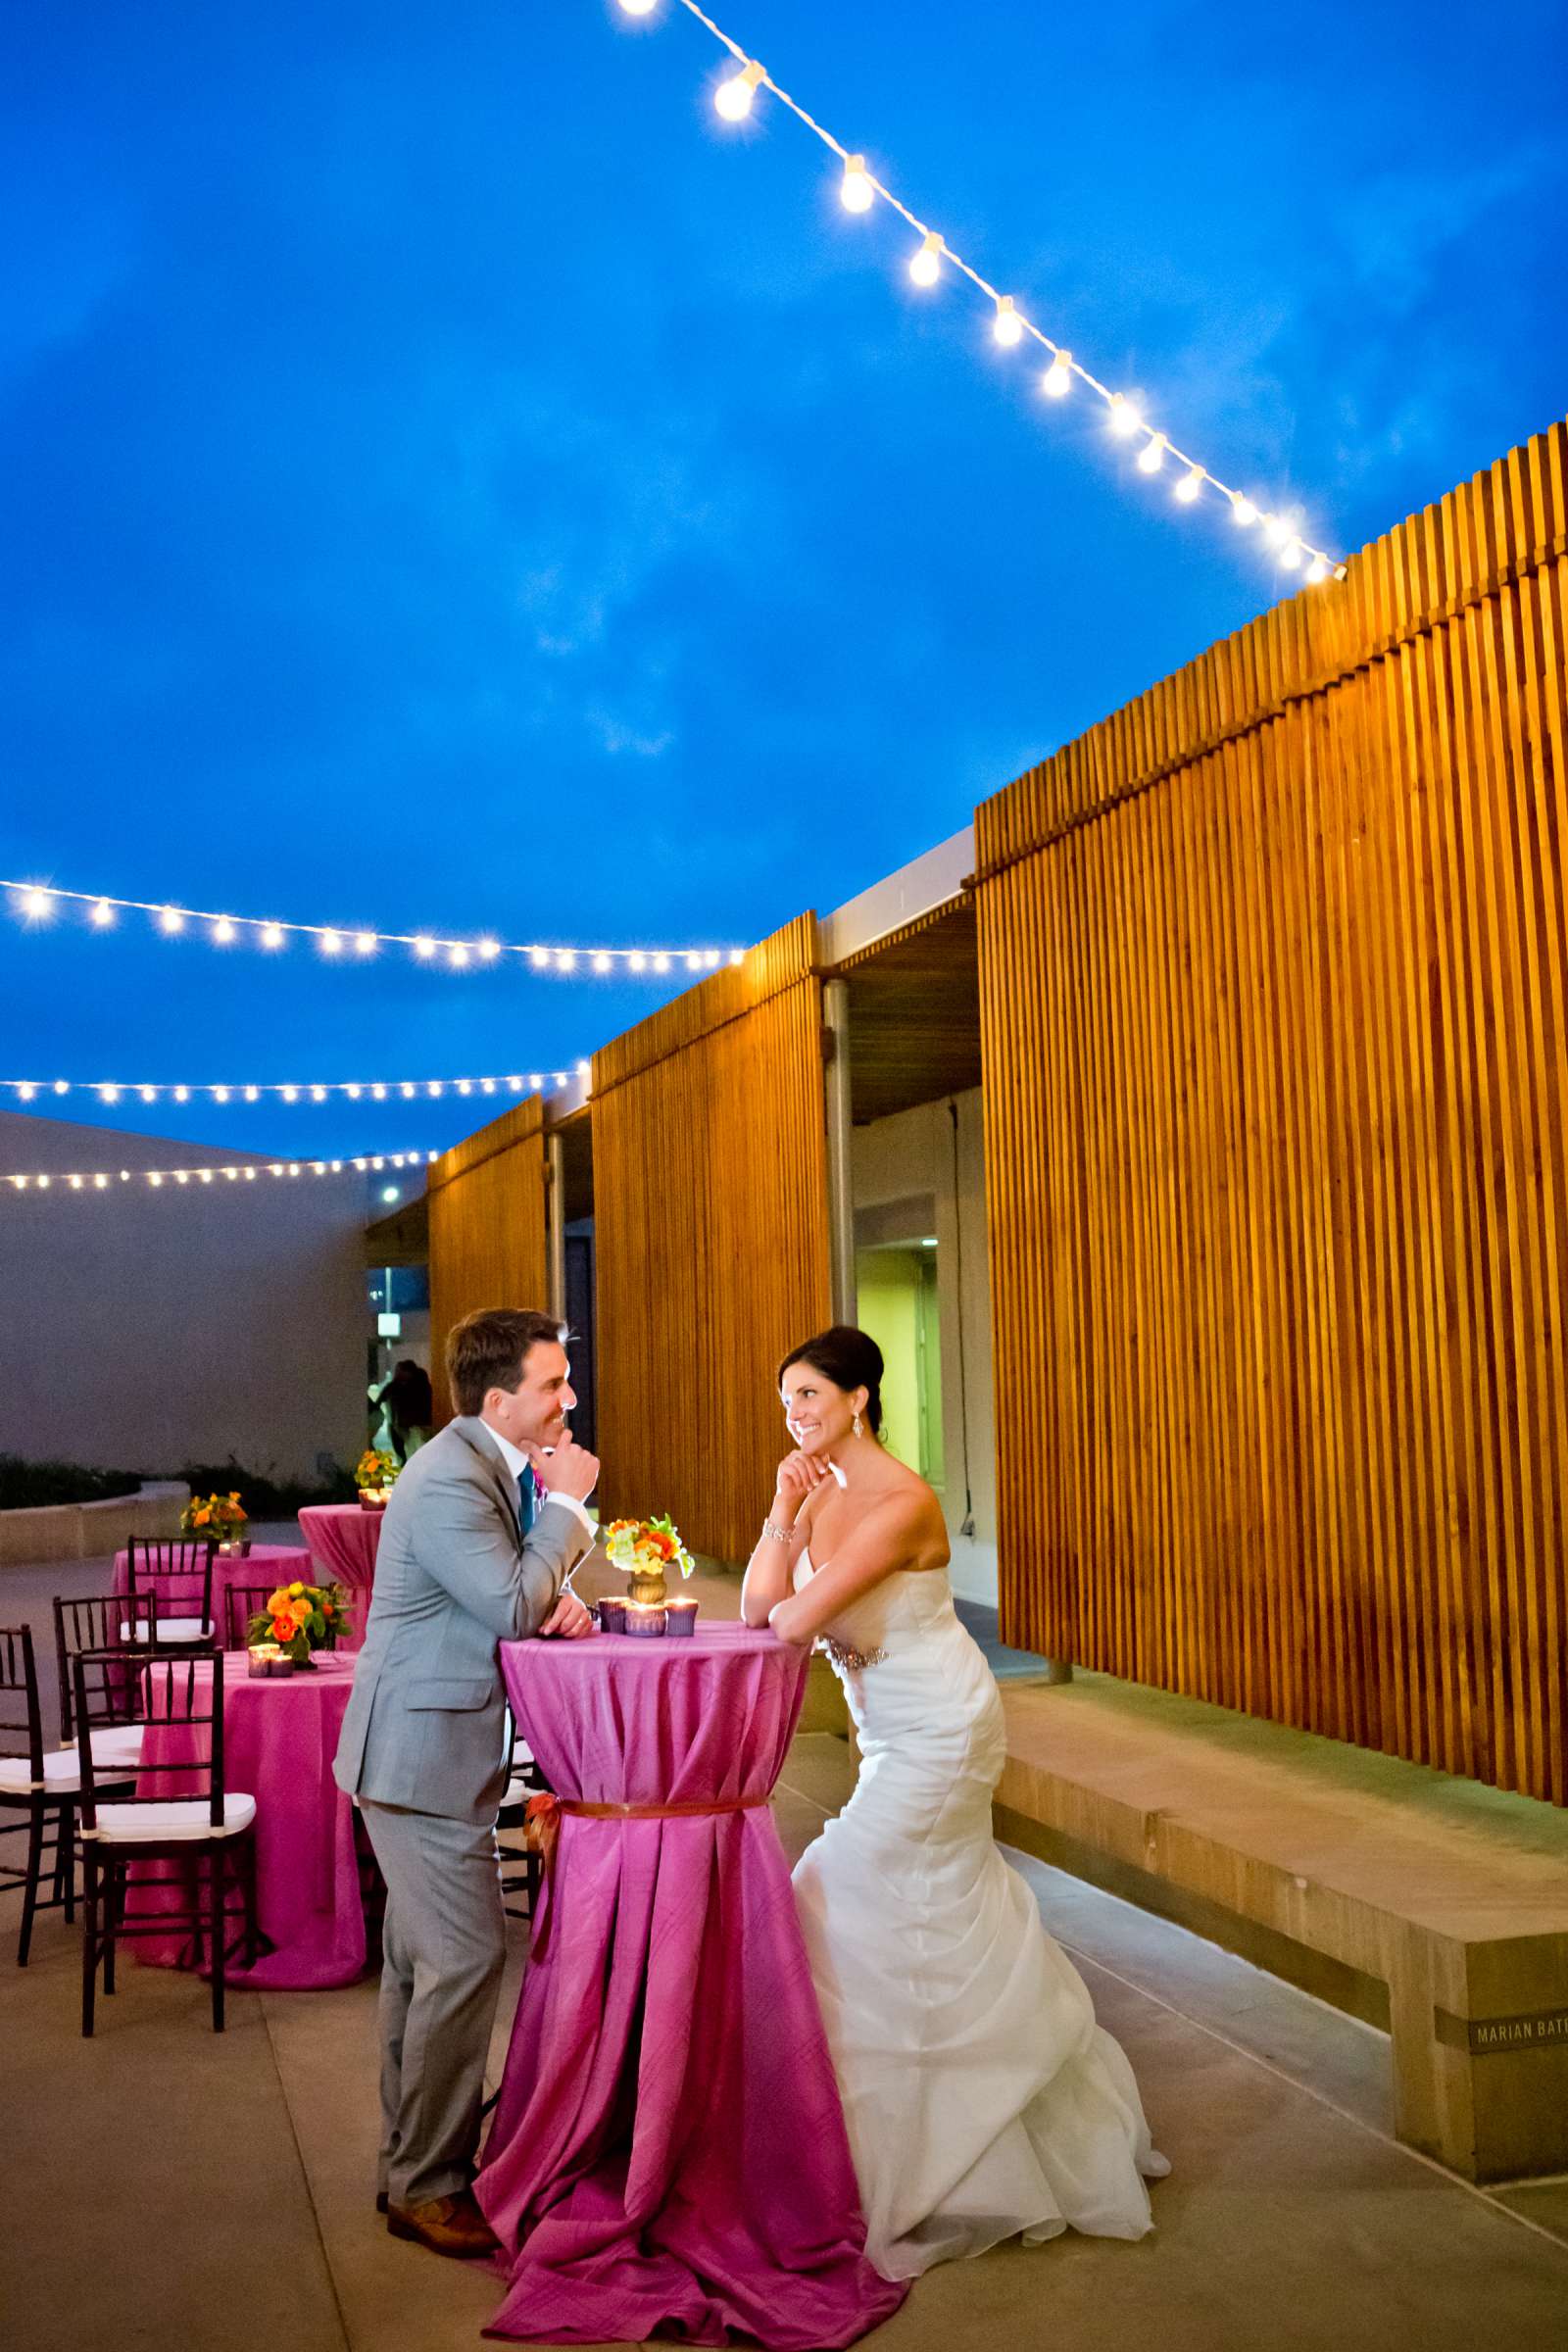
981 2098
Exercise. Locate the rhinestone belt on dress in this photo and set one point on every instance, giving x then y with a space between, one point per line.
842 1656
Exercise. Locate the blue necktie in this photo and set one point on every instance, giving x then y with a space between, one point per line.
527 1500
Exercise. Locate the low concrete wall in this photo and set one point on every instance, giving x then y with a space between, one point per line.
90 1530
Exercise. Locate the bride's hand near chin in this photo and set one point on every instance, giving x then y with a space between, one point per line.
769 1572
799 1475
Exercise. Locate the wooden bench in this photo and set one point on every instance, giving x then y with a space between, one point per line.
1432 1906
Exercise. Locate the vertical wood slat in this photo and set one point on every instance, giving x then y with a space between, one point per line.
1274 1000
488 1245
710 1238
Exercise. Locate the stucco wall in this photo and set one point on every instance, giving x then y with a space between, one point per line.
142 1328
897 1159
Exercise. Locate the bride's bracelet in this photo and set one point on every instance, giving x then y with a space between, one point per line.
779 1535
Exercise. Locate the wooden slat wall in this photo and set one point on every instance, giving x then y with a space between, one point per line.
488 1243
710 1238
1274 976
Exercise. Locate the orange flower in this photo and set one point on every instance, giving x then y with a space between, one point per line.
299 1610
282 1629
278 1603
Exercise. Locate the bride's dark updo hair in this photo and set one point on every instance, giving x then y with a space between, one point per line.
850 1359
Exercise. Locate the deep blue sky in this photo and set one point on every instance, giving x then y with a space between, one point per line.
447 479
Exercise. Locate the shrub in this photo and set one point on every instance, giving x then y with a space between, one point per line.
265 1497
31 1486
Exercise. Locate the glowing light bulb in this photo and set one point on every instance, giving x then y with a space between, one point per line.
463 1088
291 1094
1317 572
99 1183
223 931
489 949
182 1094
332 942
435 1088
26 1092
925 264
636 961
1152 456
539 957
272 935
1191 483
155 1178
1276 530
250 1175
1057 378
1243 509
710 959
694 962
424 948
639 8
102 914
487 1085
1291 555
856 192
171 920
352 1092
378 1094
62 1085
567 959
37 905
737 956
1007 326
317 1093
600 963
459 956
364 943
206 1175
1124 417
535 1082
407 1091
733 97
109 1093
661 964
220 1093
252 1094
149 1094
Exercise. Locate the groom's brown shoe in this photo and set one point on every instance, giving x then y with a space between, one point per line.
452 2226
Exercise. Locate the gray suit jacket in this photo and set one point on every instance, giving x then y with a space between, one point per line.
454 1576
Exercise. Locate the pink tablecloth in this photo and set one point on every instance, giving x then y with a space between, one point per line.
280 1736
343 1541
668 2154
267 1564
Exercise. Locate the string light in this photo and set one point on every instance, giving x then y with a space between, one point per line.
925 266
250 1090
102 1180
1152 456
859 189
1057 378
39 902
734 97
1007 326
856 194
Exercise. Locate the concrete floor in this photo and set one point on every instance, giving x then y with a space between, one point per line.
164 2186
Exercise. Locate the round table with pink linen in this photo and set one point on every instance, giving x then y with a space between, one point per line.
281 1733
269 1564
343 1541
668 2155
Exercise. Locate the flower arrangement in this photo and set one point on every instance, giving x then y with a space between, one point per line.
222 1517
644 1548
299 1619
375 1473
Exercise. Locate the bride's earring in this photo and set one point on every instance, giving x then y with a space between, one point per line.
856 1424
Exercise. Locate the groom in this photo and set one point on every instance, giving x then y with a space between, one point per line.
473 1551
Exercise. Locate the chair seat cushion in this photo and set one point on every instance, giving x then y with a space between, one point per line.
170 1629
60 1778
171 1817
116 1744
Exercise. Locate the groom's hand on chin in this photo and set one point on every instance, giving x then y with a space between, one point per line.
570 1619
570 1470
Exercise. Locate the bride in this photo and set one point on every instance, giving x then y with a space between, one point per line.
981 2098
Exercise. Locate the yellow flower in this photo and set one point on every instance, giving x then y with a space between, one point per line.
295 1591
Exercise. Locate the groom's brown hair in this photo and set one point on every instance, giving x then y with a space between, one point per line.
488 1350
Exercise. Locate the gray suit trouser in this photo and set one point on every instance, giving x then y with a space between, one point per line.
443 1946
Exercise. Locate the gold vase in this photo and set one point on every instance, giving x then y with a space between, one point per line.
647 1584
